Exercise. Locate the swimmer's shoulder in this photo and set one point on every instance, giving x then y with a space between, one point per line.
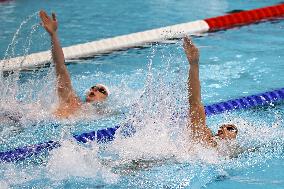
69 108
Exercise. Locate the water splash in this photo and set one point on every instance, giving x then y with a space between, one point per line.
157 154
10 51
26 97
71 160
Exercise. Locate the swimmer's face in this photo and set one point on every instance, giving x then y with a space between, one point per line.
227 131
96 93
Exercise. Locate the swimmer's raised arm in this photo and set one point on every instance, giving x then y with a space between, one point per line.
192 54
197 118
64 85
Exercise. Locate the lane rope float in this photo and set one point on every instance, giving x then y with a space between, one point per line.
141 38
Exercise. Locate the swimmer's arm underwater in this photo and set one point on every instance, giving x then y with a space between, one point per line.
197 119
64 85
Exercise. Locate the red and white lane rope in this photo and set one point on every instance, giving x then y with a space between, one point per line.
149 36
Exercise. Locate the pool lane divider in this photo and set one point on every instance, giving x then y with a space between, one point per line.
108 134
122 42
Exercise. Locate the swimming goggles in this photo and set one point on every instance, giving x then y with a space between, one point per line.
100 89
231 128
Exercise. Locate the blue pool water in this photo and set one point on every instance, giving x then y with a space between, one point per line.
234 63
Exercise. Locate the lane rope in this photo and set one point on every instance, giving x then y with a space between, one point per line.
141 38
108 134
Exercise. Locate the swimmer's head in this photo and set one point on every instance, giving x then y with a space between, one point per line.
97 93
227 131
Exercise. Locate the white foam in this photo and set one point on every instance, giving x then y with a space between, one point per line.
73 160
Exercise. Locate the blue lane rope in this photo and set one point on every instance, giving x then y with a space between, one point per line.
22 153
108 134
246 102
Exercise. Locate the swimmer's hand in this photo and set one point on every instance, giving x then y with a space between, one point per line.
49 24
191 51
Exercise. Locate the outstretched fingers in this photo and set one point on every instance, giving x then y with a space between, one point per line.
49 23
44 17
53 16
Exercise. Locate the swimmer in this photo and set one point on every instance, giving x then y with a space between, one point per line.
197 120
69 102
